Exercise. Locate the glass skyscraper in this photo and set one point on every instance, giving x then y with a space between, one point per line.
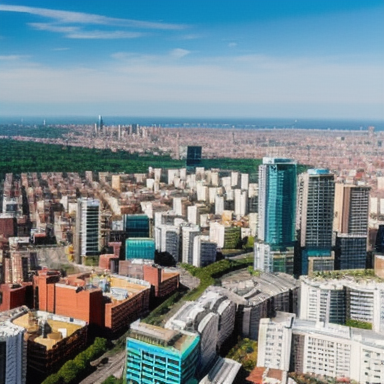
277 208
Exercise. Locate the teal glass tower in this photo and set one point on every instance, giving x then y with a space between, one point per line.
159 355
276 216
277 201
140 248
137 225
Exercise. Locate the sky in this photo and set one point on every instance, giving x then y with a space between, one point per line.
193 58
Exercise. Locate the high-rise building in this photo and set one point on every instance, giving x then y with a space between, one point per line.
100 124
189 232
277 207
13 359
351 209
140 248
159 355
277 201
350 251
136 225
88 239
204 251
193 156
135 129
351 225
314 220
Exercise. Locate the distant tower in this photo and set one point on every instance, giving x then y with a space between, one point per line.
178 146
119 132
100 124
135 129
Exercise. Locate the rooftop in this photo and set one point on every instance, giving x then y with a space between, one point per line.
223 372
167 338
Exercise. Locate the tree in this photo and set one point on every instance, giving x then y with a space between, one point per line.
69 371
55 378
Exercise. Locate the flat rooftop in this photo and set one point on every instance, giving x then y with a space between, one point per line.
57 324
167 338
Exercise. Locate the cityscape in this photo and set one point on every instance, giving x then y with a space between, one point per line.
232 232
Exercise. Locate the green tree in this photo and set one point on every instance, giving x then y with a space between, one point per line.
69 371
55 378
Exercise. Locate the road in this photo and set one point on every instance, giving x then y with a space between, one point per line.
114 367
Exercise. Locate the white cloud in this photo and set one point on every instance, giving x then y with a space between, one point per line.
232 45
191 36
53 27
60 49
178 53
103 35
307 84
88 18
12 57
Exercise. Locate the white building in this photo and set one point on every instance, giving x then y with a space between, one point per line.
204 251
13 348
344 299
189 232
317 348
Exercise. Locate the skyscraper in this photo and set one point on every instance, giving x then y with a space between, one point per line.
87 228
276 216
100 124
351 225
315 221
351 209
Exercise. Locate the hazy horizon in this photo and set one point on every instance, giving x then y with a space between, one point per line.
298 58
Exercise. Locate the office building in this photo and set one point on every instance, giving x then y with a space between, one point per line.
87 239
276 208
351 225
277 201
188 233
140 248
135 128
351 209
160 355
314 221
167 238
350 251
136 225
204 251
193 156
100 124
13 359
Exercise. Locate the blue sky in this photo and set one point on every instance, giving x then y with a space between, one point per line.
199 58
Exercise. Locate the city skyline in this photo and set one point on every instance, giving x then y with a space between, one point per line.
282 59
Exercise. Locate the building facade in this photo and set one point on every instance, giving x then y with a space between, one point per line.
158 355
276 209
314 219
